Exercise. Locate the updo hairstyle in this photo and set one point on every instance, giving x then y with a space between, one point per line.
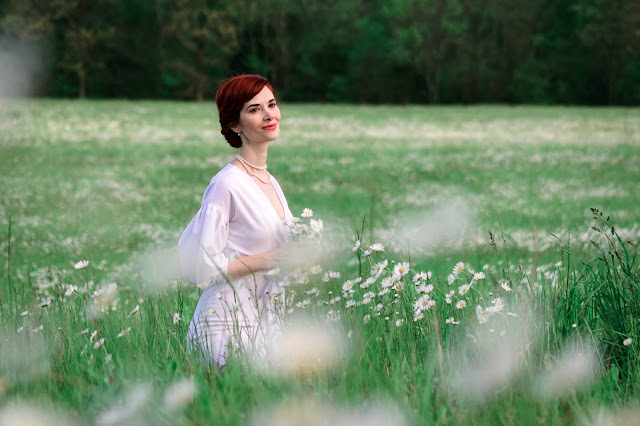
231 97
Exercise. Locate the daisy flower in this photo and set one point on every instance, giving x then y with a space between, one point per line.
376 247
98 343
627 341
124 332
401 269
461 304
450 320
399 322
478 276
134 311
418 315
458 268
450 279
356 246
379 267
307 212
316 225
505 286
366 319
176 318
350 303
464 289
24 314
81 264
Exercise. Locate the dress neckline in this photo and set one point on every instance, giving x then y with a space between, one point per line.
276 187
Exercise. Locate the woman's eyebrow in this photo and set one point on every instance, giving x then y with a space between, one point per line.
252 105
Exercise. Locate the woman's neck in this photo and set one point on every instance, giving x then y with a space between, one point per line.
255 154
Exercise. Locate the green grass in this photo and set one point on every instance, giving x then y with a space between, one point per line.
112 181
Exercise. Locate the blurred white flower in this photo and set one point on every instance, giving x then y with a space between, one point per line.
81 264
307 212
124 332
366 319
180 394
134 311
458 268
44 303
627 341
176 318
376 247
461 304
122 414
37 329
478 275
273 272
464 289
24 314
316 225
505 286
356 246
575 367
399 322
451 320
98 343
315 269
450 279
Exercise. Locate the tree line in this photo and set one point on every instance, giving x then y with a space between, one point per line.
375 51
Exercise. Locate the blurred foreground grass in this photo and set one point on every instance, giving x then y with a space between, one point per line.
115 182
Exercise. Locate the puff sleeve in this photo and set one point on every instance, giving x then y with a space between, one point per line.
201 246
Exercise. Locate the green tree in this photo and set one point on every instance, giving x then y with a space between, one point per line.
426 34
207 32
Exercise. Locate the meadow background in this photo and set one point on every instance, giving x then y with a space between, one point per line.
115 182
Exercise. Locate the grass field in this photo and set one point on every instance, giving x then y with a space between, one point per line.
116 182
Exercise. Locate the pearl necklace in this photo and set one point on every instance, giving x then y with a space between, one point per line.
246 166
243 161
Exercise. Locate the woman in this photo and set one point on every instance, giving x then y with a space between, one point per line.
232 241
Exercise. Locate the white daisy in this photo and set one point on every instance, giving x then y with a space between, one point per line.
376 247
307 212
464 289
366 253
273 272
451 320
24 314
379 267
450 279
315 269
478 276
399 322
458 268
366 319
176 318
356 245
461 304
350 303
505 286
81 264
98 343
316 225
627 341
134 311
401 269
418 315
124 332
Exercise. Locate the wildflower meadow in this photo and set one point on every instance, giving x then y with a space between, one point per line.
462 265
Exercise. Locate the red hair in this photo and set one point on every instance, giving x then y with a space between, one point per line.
231 97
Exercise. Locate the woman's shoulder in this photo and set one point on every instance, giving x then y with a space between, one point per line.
221 186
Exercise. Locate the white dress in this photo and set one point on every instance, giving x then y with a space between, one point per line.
235 217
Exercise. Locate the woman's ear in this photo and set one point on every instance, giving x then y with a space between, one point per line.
235 128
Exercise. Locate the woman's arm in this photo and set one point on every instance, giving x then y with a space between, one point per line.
250 264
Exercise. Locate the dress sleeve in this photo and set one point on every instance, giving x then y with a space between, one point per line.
201 247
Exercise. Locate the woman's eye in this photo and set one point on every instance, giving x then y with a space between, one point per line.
272 104
253 110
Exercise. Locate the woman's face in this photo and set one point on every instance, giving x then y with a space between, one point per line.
259 118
